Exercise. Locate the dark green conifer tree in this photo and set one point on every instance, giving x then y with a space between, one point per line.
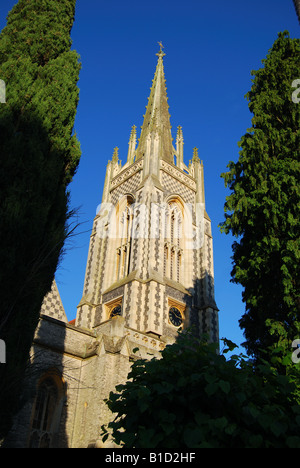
263 209
39 154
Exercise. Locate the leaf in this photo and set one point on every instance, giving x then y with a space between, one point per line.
231 346
143 405
277 428
163 387
254 412
265 421
220 423
192 436
225 386
255 441
293 442
128 438
210 378
167 428
182 381
230 429
206 445
201 418
211 388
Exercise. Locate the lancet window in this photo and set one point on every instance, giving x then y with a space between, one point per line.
46 413
173 242
124 238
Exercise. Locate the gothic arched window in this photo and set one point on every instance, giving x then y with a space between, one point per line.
125 218
173 242
46 413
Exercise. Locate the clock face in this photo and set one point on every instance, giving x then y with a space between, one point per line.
116 311
175 316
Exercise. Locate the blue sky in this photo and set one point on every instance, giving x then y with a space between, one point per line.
211 48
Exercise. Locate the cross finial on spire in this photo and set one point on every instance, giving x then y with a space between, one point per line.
161 52
156 123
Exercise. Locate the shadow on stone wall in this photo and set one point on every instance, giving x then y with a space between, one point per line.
203 308
42 411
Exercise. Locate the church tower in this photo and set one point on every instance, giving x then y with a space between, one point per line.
149 272
151 257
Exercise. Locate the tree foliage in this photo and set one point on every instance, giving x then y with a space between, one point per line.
194 398
263 209
39 155
41 72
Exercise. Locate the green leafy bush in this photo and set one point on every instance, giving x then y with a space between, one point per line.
194 398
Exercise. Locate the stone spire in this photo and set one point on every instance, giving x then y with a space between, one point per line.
156 140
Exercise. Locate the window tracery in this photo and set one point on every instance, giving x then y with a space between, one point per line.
173 248
125 238
45 413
